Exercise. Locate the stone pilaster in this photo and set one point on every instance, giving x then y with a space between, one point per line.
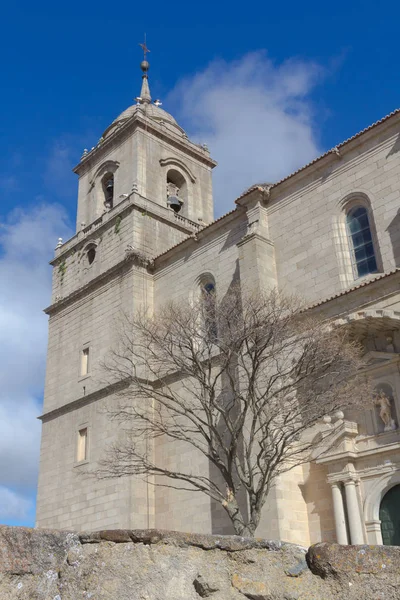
257 252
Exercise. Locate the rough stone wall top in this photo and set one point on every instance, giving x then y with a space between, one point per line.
155 565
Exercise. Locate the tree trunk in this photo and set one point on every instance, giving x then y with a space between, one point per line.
235 515
248 530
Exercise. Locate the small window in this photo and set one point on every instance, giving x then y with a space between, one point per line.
82 445
209 289
85 362
108 189
208 293
361 242
91 254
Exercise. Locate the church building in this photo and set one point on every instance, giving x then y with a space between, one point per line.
145 232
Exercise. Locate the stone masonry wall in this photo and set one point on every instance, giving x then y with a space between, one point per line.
162 565
307 217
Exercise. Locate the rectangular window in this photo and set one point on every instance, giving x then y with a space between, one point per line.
85 362
82 445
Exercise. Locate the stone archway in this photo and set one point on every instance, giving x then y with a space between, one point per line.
372 503
389 515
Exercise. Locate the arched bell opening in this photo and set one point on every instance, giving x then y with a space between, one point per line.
108 190
177 192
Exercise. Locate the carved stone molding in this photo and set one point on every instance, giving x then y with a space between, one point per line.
165 162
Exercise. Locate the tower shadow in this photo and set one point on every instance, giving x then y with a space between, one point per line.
394 233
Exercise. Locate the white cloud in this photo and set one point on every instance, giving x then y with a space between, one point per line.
27 241
255 116
58 176
12 505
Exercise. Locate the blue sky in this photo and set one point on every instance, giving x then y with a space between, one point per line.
267 85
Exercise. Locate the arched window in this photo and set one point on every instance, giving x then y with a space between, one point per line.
361 241
176 191
91 253
208 302
108 189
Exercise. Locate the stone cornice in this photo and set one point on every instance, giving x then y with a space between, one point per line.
103 392
133 201
82 401
166 214
98 226
248 237
136 121
125 263
390 277
356 455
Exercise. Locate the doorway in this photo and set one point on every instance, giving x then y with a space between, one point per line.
389 514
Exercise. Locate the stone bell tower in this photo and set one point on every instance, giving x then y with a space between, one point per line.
145 151
142 189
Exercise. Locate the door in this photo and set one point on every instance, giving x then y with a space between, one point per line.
389 514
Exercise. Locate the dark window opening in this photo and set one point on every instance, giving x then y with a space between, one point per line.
209 309
91 255
108 188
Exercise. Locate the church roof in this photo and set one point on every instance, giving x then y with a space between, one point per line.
270 186
144 104
151 111
335 150
352 289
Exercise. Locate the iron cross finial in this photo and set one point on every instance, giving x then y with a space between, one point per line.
144 47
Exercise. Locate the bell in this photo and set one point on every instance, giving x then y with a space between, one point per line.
174 203
110 189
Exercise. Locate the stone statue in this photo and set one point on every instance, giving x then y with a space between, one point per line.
385 412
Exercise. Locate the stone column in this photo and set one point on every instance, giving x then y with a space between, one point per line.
338 511
353 513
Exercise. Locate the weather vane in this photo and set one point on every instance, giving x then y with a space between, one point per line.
144 47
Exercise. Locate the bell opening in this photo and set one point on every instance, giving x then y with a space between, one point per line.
174 203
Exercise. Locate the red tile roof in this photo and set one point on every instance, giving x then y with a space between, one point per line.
355 287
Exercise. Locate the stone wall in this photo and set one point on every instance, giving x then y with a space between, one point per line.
155 565
306 215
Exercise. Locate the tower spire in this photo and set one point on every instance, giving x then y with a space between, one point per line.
144 65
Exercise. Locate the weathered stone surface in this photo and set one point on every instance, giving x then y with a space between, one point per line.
255 590
297 569
204 586
164 565
229 543
332 560
25 551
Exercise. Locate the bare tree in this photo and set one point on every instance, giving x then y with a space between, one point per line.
243 381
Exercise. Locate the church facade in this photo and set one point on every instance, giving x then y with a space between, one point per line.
329 232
